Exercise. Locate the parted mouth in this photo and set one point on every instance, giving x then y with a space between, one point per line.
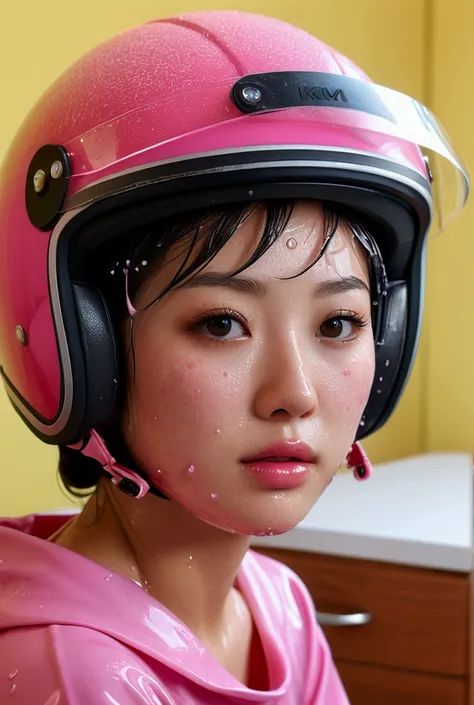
295 451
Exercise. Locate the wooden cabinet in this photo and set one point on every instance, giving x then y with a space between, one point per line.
411 646
376 685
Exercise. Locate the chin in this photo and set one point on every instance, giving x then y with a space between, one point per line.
257 514
232 523
269 523
276 531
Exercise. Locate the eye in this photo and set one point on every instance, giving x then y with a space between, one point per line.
341 328
222 327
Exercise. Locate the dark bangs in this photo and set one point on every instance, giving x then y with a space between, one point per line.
197 238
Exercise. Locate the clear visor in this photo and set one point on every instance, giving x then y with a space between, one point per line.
149 143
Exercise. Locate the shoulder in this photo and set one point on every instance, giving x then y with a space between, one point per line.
283 602
48 664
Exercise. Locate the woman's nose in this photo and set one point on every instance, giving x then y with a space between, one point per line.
287 389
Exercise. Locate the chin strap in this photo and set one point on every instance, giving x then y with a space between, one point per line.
128 481
358 462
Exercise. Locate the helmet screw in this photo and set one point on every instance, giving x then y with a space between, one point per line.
252 94
39 180
56 170
21 336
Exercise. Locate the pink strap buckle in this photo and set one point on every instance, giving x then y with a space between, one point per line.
358 462
129 482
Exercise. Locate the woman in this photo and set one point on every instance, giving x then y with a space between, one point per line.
219 248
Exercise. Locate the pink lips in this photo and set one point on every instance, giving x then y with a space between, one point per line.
281 467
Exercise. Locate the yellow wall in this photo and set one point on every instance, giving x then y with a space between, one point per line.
391 41
449 415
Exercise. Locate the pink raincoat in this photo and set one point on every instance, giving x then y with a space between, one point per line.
73 633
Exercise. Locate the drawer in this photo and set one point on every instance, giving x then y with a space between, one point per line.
376 685
419 618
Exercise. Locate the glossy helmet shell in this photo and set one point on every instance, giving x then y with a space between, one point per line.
143 121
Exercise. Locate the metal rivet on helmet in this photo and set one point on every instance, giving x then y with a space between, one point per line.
46 185
39 181
57 170
21 335
247 96
252 94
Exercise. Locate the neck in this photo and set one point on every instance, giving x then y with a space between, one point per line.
184 563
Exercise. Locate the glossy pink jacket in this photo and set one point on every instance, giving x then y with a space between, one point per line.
72 633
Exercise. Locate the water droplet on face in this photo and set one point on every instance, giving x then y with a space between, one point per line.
225 374
190 558
12 689
346 373
191 468
108 578
12 675
218 430
291 243
213 495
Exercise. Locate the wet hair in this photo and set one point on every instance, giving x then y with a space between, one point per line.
197 238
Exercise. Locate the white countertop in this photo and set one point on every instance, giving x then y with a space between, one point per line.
416 511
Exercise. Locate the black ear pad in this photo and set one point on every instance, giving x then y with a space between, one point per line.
388 357
100 355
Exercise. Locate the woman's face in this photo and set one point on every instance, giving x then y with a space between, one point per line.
246 393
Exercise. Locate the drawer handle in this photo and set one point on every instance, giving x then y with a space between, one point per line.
356 619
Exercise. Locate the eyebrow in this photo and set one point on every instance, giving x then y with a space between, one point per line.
257 288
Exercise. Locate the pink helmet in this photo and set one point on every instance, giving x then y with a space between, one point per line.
205 108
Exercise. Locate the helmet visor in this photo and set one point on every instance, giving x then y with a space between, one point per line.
320 115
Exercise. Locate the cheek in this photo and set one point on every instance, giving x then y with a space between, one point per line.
349 387
360 383
173 392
